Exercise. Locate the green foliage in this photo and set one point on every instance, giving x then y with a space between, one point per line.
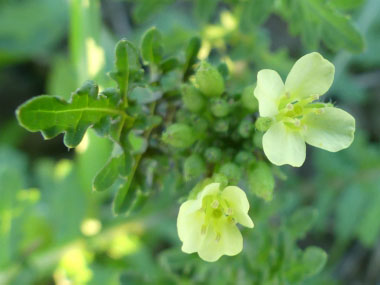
317 20
161 131
261 181
52 115
151 47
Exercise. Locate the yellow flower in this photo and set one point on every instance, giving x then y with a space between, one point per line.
207 225
295 116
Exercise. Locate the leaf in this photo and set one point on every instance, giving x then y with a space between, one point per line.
31 35
52 115
137 143
301 221
119 165
369 227
151 46
349 209
191 54
312 261
169 64
261 181
124 197
347 4
255 12
144 95
317 21
204 9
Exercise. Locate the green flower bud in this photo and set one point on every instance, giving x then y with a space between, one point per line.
220 178
209 80
232 172
192 98
213 154
244 157
245 128
199 124
179 135
193 167
263 123
261 181
220 107
248 100
221 126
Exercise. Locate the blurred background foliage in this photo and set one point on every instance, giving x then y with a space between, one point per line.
54 229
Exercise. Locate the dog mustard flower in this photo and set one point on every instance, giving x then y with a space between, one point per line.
207 225
295 116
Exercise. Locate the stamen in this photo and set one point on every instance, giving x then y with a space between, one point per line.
290 107
304 128
297 122
215 204
231 220
287 94
217 239
229 212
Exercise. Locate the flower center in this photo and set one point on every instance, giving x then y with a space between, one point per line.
217 214
292 112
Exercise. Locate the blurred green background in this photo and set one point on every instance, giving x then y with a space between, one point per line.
55 230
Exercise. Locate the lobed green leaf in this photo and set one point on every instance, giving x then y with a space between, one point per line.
52 115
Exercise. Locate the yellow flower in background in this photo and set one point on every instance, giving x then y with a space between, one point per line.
207 225
293 116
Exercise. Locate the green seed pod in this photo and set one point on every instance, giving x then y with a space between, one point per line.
193 167
209 80
245 128
244 157
220 107
221 126
192 98
248 100
213 154
232 172
179 135
261 180
263 123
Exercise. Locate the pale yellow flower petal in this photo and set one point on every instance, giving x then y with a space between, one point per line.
268 89
230 242
310 75
284 146
332 130
210 189
237 200
189 224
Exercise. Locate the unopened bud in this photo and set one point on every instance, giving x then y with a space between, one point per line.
232 172
209 80
221 126
193 167
213 154
192 98
245 128
220 108
248 99
179 135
